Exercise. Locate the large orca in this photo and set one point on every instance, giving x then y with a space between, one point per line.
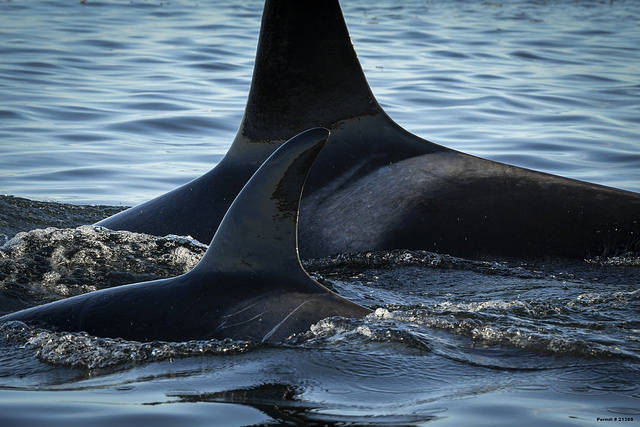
249 284
377 186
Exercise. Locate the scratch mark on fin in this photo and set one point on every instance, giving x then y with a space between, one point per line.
225 326
275 328
240 311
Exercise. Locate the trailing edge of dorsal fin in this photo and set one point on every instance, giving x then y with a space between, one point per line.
259 232
306 72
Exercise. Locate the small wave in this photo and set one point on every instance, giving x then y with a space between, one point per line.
153 106
530 336
48 264
414 329
415 258
334 330
178 124
473 307
105 44
400 257
13 115
594 298
631 260
80 350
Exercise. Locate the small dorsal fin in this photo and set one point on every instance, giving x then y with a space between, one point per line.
306 72
259 232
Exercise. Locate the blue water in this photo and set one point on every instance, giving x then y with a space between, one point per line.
117 102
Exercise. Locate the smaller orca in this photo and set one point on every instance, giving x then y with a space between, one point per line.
249 284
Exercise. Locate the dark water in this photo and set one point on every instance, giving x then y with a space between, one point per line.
115 102
452 341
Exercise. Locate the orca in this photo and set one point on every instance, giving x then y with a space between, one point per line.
249 285
377 186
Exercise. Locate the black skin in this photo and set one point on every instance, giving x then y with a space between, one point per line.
376 186
249 285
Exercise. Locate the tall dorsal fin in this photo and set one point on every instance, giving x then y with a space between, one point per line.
259 231
306 72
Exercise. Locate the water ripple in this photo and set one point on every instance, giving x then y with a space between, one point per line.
477 77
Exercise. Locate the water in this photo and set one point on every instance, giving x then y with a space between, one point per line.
116 102
451 340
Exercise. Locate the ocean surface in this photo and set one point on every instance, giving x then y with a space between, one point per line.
111 103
